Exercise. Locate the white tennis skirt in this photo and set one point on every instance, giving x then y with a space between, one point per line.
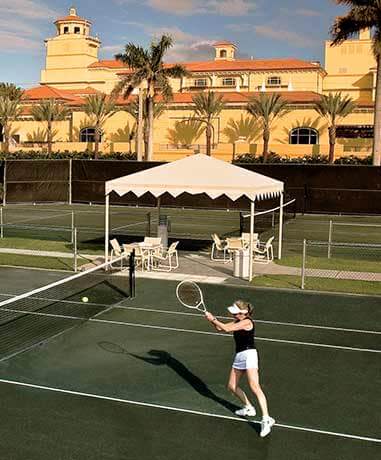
247 359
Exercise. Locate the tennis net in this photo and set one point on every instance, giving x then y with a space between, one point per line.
34 317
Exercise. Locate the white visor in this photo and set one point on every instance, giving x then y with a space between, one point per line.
234 310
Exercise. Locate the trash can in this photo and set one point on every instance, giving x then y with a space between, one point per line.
241 263
163 229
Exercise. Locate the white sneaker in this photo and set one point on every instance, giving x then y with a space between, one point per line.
247 411
266 425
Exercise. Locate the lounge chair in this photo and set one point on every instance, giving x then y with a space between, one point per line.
218 247
264 252
164 261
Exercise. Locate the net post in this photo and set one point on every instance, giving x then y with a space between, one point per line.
330 238
1 223
132 274
304 263
5 183
75 250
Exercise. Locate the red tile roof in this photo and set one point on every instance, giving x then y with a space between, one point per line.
46 92
224 43
72 19
224 65
76 97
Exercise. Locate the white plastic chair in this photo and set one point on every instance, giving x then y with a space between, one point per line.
117 251
163 261
220 246
264 252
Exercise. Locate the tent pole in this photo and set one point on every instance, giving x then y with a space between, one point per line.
280 226
158 214
251 259
107 226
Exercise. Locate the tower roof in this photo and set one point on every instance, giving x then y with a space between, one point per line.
72 17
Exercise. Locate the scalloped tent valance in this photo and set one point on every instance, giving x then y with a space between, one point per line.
198 174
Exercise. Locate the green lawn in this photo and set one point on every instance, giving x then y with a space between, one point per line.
344 264
53 263
318 284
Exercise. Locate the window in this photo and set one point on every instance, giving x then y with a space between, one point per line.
223 54
304 136
355 131
228 81
274 81
88 135
200 82
66 30
77 30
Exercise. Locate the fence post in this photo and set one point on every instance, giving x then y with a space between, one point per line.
1 223
5 184
70 180
75 250
72 227
304 263
330 238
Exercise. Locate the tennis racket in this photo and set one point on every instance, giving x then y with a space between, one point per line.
190 295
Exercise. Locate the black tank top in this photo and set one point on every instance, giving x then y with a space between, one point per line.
244 340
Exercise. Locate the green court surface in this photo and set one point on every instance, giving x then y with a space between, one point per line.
145 379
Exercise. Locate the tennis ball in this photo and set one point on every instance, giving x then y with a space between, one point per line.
85 299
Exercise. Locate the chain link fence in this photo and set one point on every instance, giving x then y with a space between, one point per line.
349 261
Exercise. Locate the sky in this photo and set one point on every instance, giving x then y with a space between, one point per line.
260 28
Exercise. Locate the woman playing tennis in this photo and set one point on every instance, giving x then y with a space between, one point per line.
245 361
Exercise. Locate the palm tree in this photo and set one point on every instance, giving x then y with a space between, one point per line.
334 107
133 110
10 90
266 108
364 14
185 132
147 68
9 111
99 108
49 112
208 106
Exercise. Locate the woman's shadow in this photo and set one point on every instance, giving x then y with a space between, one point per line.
163 358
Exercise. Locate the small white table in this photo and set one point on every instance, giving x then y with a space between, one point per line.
149 250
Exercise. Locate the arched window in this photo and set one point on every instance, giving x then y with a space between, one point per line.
304 136
88 135
223 54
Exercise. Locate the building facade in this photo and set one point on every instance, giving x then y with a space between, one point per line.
73 71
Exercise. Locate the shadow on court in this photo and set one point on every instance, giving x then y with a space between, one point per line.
163 358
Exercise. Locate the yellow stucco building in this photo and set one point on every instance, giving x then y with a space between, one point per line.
73 71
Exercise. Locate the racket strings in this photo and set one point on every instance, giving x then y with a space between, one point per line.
189 294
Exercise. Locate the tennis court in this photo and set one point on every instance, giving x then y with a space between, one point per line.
143 378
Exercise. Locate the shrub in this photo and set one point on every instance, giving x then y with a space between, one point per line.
86 155
306 159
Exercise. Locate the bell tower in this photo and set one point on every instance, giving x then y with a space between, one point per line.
70 52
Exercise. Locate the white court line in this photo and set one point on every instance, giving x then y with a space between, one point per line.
186 411
362 331
37 218
192 331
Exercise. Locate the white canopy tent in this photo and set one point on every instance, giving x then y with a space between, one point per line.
199 174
